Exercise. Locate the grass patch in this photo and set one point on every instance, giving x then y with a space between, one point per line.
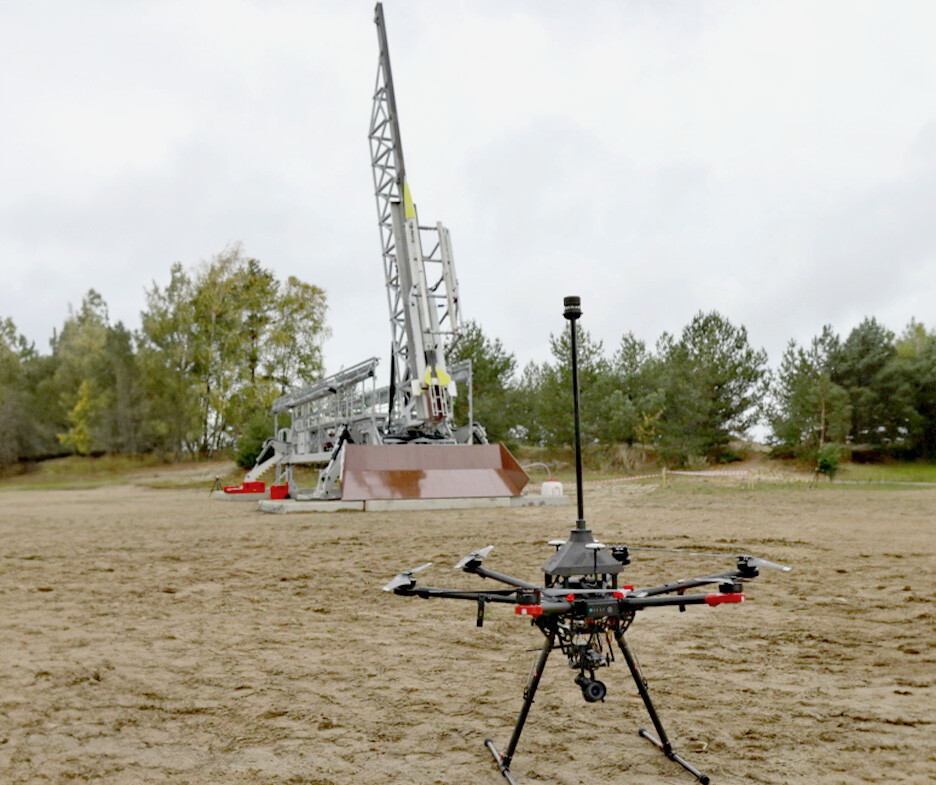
888 472
150 471
82 472
599 462
76 466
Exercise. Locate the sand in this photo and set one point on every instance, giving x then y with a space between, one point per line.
158 636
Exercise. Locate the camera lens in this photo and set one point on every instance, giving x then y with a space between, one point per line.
592 690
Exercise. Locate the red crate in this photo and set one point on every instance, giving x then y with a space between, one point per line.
247 487
279 491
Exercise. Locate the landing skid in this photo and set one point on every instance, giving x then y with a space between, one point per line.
662 743
499 762
669 753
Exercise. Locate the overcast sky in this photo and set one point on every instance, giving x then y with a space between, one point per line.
773 161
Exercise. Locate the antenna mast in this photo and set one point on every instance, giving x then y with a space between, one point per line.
573 310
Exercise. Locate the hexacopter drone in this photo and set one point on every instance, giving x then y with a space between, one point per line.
580 606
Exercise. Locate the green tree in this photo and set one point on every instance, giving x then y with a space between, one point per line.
880 396
827 459
636 403
915 363
286 329
253 435
167 359
80 370
547 391
529 426
219 345
492 374
293 345
97 381
257 296
17 429
713 385
45 415
123 423
80 435
808 409
258 293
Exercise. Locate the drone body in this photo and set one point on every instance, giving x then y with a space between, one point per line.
580 608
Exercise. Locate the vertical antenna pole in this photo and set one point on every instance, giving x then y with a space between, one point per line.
572 312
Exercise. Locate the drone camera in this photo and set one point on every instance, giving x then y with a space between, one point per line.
592 689
730 587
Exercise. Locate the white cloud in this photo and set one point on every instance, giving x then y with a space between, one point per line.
771 160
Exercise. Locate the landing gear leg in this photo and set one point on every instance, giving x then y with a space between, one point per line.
503 761
662 742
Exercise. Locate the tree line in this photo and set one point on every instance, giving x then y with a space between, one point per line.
689 396
221 341
216 346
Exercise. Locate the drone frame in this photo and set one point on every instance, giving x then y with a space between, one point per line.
580 606
553 609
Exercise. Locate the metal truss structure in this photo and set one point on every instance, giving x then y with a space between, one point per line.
422 290
321 418
422 294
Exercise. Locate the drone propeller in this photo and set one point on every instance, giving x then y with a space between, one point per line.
754 561
475 556
757 561
405 578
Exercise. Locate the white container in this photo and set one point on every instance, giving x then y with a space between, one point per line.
551 488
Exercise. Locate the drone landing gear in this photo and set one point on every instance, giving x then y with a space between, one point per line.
662 743
499 762
503 761
667 750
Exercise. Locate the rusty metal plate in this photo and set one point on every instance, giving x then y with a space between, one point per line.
429 471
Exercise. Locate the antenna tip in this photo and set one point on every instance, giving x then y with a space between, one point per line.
573 307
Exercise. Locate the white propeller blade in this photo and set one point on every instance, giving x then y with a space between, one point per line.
406 577
478 556
772 564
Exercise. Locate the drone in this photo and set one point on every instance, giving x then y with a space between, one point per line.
580 607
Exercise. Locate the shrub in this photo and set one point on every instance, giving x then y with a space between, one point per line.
827 460
256 431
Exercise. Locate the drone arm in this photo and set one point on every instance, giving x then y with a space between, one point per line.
552 607
499 576
689 583
433 592
717 598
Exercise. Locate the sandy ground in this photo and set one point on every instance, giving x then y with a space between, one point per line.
157 636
